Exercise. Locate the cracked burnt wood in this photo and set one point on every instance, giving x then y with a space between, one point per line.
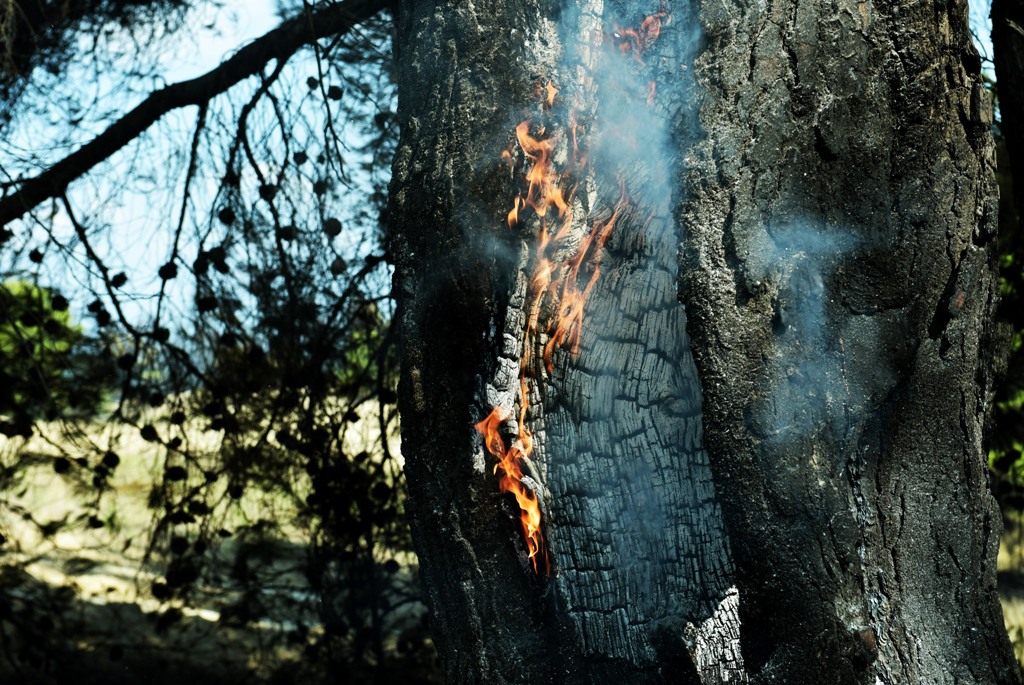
839 276
641 568
837 268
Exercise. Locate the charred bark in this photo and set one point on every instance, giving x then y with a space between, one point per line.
484 630
837 223
838 270
640 565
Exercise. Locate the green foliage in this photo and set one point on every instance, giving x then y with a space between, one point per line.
49 368
1006 439
247 368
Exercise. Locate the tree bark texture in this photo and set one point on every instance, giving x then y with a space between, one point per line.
839 275
640 566
836 219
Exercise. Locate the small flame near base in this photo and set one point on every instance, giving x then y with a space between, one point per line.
513 480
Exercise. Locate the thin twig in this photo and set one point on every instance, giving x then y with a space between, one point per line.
279 44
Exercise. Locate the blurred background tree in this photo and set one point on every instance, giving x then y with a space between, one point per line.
1008 434
200 474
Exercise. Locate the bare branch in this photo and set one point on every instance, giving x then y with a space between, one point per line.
279 44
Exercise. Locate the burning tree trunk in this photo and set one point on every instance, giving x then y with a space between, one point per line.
835 213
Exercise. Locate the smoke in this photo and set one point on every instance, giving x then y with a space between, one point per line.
639 545
807 386
633 62
638 533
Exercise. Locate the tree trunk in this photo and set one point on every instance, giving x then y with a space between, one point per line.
840 278
838 330
1008 54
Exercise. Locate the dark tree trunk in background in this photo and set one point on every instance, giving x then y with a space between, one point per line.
835 213
1008 54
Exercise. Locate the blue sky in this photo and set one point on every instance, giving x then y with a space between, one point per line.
133 201
980 26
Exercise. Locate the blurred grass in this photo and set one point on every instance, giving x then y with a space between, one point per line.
1010 569
94 584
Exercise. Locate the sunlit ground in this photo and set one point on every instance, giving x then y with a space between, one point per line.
100 620
1011 587
87 592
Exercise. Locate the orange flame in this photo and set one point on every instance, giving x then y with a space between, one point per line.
513 214
548 188
637 41
552 92
544 190
511 480
567 324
